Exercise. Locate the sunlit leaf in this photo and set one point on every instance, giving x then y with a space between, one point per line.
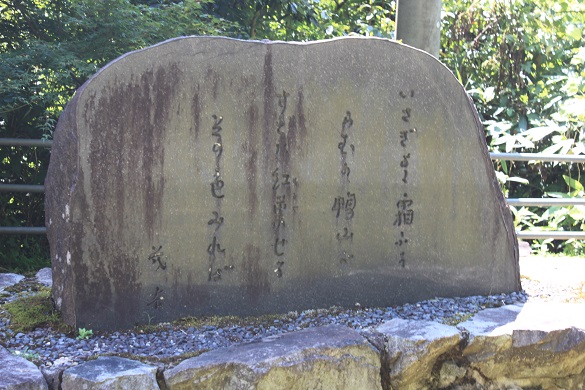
538 133
577 213
572 183
518 180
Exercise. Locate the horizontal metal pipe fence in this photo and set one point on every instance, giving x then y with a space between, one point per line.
570 158
555 235
21 188
26 142
22 230
544 202
30 188
522 202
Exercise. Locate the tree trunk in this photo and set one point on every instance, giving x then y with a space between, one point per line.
418 24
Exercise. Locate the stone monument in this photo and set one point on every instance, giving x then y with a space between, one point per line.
213 176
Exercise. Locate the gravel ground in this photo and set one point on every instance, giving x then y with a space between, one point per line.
48 348
553 279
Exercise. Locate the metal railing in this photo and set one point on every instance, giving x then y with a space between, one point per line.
23 187
544 202
521 202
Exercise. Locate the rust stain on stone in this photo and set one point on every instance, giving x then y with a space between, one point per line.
127 150
298 137
250 150
124 270
163 87
126 160
194 296
256 282
213 78
93 290
285 139
268 125
196 113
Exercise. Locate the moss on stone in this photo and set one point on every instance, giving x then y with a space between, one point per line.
457 319
29 312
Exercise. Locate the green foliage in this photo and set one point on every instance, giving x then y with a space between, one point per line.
523 63
304 20
370 18
83 333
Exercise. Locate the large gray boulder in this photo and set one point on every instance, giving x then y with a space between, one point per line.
332 357
207 176
8 279
539 345
45 276
110 372
411 349
17 373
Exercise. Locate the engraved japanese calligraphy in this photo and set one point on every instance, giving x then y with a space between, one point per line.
404 207
283 187
344 205
216 254
157 258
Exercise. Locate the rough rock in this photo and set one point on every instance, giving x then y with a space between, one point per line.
332 357
539 345
450 372
17 373
110 372
7 280
52 376
411 350
213 176
530 346
45 276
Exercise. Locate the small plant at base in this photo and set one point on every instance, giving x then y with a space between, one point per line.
84 333
26 354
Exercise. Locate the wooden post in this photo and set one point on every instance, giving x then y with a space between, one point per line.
418 24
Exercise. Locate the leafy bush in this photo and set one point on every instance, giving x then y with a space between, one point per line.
523 63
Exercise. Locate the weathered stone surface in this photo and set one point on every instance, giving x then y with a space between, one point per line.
7 280
217 176
538 345
449 373
52 376
411 350
110 373
17 373
332 357
44 276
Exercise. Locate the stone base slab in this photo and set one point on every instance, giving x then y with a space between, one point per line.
535 345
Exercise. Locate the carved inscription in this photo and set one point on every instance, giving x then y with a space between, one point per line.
214 249
283 188
217 184
157 298
404 218
156 257
344 204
